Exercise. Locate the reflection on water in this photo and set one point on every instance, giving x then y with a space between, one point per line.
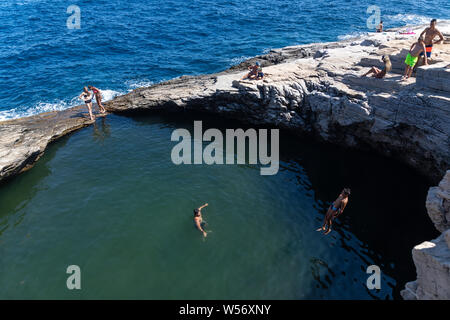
109 199
101 129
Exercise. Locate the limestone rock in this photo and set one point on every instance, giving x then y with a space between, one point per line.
438 204
318 89
23 141
432 258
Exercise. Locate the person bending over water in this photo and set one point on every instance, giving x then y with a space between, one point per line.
98 98
413 55
335 210
377 73
86 96
198 220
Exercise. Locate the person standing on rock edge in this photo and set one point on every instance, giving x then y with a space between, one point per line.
412 57
430 33
86 96
98 98
198 220
380 27
335 210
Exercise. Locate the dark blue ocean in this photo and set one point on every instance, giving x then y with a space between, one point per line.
123 44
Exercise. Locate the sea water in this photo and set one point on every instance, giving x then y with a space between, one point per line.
109 200
122 45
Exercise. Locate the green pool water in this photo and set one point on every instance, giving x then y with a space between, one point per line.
108 199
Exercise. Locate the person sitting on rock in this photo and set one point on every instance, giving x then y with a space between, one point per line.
253 74
260 73
413 55
380 73
335 210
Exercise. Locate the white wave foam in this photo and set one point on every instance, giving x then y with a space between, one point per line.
391 21
134 84
40 107
238 60
352 35
109 94
57 105
405 19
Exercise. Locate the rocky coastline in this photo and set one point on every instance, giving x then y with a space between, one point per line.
313 89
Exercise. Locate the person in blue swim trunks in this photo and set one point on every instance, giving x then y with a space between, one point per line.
430 34
260 73
335 210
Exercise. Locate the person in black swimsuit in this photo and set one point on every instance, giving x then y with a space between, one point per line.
335 210
86 96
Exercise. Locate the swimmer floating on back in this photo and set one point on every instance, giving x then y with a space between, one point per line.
335 210
198 220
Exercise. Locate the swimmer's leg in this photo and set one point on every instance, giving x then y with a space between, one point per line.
325 221
330 222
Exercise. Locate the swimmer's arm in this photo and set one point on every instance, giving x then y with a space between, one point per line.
205 205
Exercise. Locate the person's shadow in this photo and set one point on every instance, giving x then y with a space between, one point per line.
102 130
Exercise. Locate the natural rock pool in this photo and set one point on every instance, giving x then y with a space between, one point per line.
108 199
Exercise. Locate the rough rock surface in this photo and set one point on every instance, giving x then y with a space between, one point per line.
317 89
23 141
438 204
432 258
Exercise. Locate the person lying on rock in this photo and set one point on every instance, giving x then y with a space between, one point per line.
413 55
380 73
198 220
253 74
335 210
